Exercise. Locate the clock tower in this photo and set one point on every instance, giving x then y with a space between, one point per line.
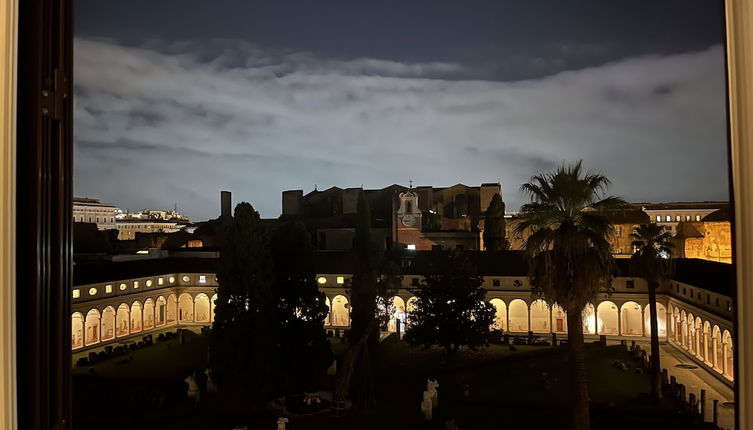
407 222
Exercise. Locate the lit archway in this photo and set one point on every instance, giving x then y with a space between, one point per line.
185 308
108 323
410 306
632 321
559 319
340 313
214 305
91 327
608 318
708 349
661 319
137 317
329 311
500 314
148 314
518 314
171 314
398 313
540 317
123 322
590 323
160 312
202 307
77 330
729 364
717 346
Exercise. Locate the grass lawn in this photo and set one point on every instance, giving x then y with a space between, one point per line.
526 388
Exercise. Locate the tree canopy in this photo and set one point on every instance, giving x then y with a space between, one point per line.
450 310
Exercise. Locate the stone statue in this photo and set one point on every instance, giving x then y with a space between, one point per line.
431 387
211 388
193 388
426 407
281 423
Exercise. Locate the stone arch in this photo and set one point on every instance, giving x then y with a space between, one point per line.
608 318
500 314
77 330
148 314
717 347
213 301
661 319
160 311
631 319
541 319
690 324
518 316
398 313
92 327
728 353
171 314
123 322
137 317
410 306
340 311
559 319
697 336
108 323
329 311
202 308
590 323
708 348
185 308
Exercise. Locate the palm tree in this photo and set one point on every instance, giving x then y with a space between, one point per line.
651 262
570 255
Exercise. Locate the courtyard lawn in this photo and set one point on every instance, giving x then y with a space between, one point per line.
525 387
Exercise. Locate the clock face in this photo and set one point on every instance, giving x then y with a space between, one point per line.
408 220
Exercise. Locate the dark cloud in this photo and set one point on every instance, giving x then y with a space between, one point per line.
157 126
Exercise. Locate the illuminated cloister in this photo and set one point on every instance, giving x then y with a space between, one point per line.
703 338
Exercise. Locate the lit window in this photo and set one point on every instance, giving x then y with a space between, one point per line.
148 282
76 293
92 291
202 279
340 280
186 278
411 247
135 284
687 217
171 279
658 218
123 287
677 218
108 289
160 281
697 217
321 280
668 218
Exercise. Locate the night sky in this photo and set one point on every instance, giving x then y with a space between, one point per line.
177 100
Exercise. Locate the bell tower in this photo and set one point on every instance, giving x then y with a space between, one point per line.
409 214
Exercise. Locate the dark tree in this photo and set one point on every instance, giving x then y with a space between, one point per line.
570 255
494 226
305 351
363 285
651 262
450 310
244 342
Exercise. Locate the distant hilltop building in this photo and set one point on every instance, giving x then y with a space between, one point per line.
93 211
420 218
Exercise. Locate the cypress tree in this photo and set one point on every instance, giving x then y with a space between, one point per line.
494 226
244 342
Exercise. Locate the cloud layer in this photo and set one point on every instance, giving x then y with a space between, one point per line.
159 125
